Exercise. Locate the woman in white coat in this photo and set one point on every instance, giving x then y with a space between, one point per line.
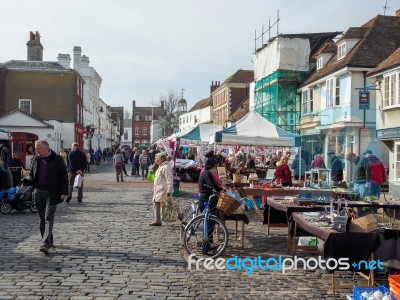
163 186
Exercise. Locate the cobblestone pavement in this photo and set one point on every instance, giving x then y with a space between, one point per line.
105 249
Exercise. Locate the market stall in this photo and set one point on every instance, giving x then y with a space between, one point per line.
253 129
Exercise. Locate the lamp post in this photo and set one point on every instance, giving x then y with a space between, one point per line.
112 125
98 110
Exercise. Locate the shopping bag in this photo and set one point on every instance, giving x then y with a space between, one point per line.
151 176
169 210
78 182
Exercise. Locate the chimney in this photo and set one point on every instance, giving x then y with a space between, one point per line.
85 62
214 86
133 104
64 60
35 48
77 57
398 13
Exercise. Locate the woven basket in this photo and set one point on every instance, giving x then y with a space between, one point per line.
227 204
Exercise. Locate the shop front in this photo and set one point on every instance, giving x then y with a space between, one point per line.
391 138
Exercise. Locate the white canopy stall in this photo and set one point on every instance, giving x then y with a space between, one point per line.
254 129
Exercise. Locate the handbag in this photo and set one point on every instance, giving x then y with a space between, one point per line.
78 182
151 176
169 210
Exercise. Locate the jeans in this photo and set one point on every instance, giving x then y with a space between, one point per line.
360 188
376 189
46 215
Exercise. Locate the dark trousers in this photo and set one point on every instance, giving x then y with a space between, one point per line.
145 170
46 215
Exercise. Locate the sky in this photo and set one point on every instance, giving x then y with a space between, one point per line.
144 48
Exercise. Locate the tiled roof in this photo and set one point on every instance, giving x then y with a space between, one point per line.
381 38
35 65
241 111
241 76
202 104
143 111
391 62
354 33
328 47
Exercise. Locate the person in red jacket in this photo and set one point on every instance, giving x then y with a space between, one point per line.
378 173
283 175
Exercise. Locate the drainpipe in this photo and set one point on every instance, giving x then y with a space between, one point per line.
359 130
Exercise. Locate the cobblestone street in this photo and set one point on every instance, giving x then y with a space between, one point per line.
105 249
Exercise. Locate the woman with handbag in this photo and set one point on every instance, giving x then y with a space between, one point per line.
118 160
163 187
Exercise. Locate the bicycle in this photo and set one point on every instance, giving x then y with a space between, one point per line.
199 233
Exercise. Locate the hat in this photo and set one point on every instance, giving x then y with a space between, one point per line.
209 154
331 153
368 151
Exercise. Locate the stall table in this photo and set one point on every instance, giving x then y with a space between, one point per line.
355 246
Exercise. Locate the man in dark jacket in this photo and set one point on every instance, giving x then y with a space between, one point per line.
50 182
77 164
336 168
361 174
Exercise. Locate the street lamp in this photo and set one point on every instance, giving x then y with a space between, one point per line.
98 110
112 125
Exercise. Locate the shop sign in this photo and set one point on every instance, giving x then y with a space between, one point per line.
388 133
363 100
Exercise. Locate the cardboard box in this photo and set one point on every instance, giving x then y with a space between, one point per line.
363 224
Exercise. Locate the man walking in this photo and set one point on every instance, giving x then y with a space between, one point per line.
361 174
50 182
378 173
77 165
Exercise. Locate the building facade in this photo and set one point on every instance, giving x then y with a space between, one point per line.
387 77
228 96
142 118
333 117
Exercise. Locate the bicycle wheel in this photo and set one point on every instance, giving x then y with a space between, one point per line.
212 244
187 215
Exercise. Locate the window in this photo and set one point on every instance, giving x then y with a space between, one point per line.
137 117
144 130
386 97
337 91
397 160
333 92
77 113
329 92
319 63
25 105
150 118
311 99
304 100
341 51
136 130
391 95
146 118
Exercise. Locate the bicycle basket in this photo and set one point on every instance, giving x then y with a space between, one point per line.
227 204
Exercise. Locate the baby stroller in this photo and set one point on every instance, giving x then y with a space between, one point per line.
18 198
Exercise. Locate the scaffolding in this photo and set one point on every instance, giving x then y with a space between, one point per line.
276 98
